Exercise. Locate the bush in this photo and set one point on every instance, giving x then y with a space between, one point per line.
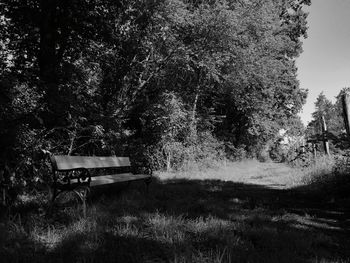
235 153
178 143
263 154
329 175
342 172
321 170
204 152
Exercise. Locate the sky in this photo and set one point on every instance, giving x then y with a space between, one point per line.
324 66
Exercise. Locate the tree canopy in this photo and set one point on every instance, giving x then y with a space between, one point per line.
147 77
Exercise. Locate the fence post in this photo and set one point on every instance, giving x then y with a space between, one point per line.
324 134
346 112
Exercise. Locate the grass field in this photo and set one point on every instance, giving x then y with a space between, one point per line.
247 171
240 212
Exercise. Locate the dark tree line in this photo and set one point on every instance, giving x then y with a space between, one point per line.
173 80
332 112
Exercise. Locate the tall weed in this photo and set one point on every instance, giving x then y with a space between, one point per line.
320 170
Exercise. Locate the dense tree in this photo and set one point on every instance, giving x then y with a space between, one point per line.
323 108
102 77
333 115
263 89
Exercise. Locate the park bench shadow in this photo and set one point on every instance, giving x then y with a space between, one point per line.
227 200
274 219
224 198
277 216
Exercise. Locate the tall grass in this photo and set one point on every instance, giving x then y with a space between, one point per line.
240 171
180 221
320 170
326 172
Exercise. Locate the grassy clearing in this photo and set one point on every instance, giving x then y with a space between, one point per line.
183 220
246 171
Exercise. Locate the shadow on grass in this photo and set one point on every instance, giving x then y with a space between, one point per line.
189 221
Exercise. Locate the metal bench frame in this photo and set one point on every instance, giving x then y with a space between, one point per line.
73 173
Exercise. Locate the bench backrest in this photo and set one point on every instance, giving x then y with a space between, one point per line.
66 162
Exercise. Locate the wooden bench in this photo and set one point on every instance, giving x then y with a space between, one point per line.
79 173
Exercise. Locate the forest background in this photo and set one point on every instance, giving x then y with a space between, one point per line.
178 83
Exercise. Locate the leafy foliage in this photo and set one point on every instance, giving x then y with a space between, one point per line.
172 80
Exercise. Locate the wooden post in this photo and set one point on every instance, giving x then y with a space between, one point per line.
324 134
346 112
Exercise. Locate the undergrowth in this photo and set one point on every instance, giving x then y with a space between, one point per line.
327 174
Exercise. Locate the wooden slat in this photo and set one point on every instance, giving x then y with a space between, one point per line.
65 162
116 178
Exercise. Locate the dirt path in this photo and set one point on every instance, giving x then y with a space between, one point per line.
277 187
274 175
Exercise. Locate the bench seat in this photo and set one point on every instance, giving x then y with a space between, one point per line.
72 172
117 178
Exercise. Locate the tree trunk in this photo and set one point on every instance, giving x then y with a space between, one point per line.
194 109
72 140
168 162
193 126
48 64
48 41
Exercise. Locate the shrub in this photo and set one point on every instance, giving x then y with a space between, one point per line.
321 170
235 153
204 152
179 142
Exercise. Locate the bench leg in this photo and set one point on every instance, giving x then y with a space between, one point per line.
82 193
54 195
3 201
147 182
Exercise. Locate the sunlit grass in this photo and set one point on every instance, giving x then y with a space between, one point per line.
320 170
246 171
